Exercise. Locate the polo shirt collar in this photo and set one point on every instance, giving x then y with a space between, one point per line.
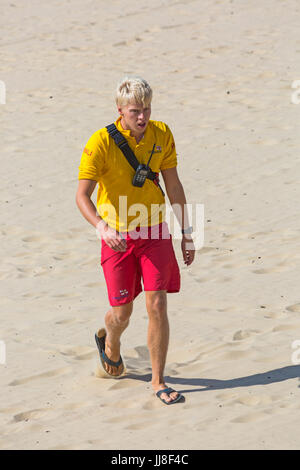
127 133
118 124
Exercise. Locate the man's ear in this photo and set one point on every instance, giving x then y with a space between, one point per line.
120 111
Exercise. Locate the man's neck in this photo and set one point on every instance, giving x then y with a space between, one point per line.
138 136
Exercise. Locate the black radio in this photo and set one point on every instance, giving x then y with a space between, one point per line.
142 172
140 176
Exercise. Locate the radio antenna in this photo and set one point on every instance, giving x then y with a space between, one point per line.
152 152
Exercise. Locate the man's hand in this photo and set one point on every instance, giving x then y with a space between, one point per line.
111 237
188 249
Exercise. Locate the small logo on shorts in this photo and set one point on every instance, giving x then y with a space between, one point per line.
123 293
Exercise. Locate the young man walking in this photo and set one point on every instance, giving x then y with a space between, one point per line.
135 248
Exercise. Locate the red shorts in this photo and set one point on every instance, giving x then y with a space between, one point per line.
150 257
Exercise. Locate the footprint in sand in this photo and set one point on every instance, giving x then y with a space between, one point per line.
224 396
293 308
234 266
140 424
254 400
35 238
79 353
275 315
77 406
124 383
285 327
233 355
243 334
152 404
276 269
66 320
32 414
250 417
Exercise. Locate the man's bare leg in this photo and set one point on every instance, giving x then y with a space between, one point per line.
158 339
116 321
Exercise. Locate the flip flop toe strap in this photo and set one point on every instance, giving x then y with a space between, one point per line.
168 391
109 361
165 390
101 346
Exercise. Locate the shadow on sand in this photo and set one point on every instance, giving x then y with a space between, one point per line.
266 378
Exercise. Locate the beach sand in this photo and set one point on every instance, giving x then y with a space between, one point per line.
222 75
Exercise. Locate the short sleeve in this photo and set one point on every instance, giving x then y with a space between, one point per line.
93 159
170 156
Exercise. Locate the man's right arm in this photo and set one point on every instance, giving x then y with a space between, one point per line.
88 210
85 204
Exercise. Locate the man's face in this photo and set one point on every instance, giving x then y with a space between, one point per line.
135 117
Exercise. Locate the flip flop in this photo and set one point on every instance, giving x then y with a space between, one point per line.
168 391
100 341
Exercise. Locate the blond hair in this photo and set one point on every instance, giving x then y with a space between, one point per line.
133 89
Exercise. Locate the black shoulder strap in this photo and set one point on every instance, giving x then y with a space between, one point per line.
123 145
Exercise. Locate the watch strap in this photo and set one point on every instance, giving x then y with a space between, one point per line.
188 230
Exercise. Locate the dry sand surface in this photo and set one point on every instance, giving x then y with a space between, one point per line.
222 74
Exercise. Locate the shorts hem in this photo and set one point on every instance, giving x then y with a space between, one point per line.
169 291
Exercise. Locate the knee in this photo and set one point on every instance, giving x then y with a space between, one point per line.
157 305
122 314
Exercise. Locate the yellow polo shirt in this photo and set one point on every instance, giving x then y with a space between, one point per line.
122 205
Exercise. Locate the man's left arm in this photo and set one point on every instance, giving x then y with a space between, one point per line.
177 200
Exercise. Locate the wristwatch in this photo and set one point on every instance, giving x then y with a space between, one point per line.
188 230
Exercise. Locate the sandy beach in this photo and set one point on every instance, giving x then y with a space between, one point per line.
222 75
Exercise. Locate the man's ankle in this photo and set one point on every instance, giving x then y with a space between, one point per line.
113 348
158 383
